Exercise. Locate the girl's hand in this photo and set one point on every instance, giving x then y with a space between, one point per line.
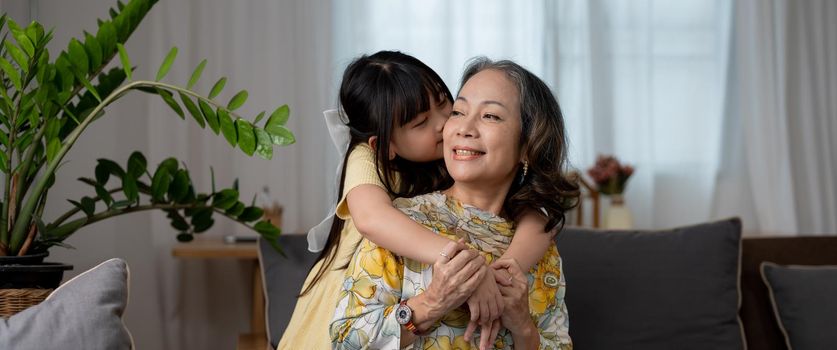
456 274
486 306
516 317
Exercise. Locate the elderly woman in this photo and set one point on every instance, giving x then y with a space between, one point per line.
505 148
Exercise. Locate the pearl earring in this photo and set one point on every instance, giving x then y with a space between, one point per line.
525 170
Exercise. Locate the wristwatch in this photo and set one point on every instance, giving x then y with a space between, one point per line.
404 317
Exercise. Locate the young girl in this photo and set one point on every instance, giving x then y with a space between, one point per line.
396 108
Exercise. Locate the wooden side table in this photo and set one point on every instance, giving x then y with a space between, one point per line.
216 248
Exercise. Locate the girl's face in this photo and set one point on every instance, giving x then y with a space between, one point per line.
420 140
482 136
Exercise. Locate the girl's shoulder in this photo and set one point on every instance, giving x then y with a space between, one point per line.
362 151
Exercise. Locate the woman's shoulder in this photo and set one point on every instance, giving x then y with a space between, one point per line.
433 199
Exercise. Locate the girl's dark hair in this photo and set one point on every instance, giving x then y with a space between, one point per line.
379 93
546 188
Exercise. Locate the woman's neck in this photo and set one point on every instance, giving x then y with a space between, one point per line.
489 198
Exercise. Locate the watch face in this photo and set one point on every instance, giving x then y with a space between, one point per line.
403 314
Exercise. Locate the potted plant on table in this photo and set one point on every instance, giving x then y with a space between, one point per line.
611 177
45 106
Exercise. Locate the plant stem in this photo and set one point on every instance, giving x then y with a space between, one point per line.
27 160
7 195
116 212
75 210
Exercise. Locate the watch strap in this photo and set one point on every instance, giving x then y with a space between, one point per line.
410 325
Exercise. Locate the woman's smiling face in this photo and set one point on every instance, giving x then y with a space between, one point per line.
482 136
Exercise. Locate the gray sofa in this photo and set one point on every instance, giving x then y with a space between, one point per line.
694 287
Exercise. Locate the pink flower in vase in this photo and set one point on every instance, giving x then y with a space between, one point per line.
609 175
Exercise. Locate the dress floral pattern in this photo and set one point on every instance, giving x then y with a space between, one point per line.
377 280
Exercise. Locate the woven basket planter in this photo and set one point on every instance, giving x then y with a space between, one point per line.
27 281
13 301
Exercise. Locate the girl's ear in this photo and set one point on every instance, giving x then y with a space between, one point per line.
373 142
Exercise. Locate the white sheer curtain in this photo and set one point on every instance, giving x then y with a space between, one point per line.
781 168
279 51
643 80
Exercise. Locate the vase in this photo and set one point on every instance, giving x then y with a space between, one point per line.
618 216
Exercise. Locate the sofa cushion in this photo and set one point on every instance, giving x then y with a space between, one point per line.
668 289
803 299
282 278
83 313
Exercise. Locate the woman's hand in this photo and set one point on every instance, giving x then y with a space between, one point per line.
516 317
486 306
456 274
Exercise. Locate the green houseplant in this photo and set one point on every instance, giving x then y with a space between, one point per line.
45 106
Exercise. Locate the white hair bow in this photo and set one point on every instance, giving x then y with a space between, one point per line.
341 136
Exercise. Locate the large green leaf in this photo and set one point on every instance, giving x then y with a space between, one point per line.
203 225
196 74
90 88
279 116
78 56
17 54
109 167
264 145
104 194
12 73
160 184
251 214
167 62
87 205
3 161
4 139
216 89
94 49
136 164
53 146
246 137
225 199
107 37
170 164
169 99
201 218
237 100
227 127
193 109
210 116
177 220
258 118
265 228
280 135
236 209
20 36
129 187
126 62
185 237
179 187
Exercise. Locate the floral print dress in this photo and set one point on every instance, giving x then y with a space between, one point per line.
377 280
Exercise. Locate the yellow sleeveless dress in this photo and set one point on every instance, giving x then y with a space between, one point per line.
308 328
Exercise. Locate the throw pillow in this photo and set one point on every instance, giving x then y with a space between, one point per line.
83 313
803 302
282 278
667 289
